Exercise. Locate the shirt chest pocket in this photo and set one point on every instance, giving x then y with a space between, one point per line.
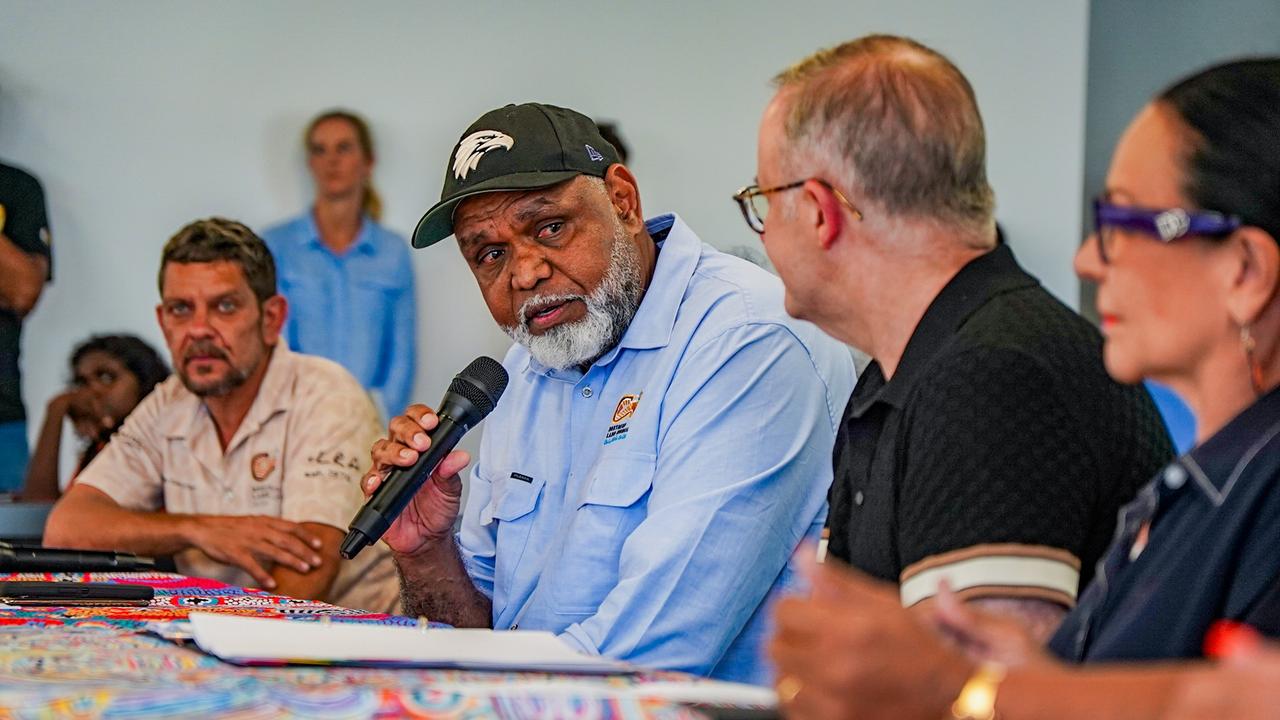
612 506
299 281
371 294
511 500
511 509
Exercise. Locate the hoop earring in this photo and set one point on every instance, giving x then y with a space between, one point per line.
1255 369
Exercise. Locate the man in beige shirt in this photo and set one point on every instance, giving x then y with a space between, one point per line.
245 463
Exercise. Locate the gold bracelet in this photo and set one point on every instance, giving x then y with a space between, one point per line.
977 699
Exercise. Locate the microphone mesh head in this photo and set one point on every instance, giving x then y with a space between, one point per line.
482 383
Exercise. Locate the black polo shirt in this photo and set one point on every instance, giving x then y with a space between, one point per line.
999 453
1212 551
25 224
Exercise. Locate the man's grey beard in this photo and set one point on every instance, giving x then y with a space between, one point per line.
610 308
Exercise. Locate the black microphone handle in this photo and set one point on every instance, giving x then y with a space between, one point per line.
391 497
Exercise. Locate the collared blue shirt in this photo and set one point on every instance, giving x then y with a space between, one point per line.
357 308
647 509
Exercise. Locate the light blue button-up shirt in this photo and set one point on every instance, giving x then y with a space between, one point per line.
357 308
647 510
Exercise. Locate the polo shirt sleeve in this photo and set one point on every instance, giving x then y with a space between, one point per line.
997 485
740 477
130 469
332 426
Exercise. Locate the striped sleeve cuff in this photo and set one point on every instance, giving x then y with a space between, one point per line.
997 570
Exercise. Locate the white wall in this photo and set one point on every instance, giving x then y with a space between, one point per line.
141 116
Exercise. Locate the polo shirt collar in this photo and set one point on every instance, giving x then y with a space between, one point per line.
655 319
364 237
187 412
983 278
1217 463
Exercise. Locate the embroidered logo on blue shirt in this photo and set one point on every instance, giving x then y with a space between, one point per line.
594 154
623 412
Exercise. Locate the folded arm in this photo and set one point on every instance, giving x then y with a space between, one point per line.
88 518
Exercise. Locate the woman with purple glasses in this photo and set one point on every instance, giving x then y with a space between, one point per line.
1186 258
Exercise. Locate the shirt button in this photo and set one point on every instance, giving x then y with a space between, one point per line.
228 495
586 392
858 498
1175 476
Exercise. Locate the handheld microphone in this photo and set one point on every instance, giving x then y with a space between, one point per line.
471 396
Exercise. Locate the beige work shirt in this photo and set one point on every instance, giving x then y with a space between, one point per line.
299 454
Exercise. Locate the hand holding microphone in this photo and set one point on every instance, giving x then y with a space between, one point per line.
413 489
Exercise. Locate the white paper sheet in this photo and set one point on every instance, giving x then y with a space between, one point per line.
248 640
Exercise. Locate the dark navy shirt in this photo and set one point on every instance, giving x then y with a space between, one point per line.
1213 552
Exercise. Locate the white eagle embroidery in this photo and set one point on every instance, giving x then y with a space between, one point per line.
474 146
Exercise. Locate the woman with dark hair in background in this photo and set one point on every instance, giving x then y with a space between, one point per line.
110 375
348 279
1187 263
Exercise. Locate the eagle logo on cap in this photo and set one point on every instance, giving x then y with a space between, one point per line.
474 146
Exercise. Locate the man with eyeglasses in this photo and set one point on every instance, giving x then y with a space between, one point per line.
663 446
985 447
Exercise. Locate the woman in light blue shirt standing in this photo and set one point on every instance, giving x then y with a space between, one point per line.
348 280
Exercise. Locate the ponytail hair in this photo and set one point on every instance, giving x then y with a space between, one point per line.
1233 112
370 202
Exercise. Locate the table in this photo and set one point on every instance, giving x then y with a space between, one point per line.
102 662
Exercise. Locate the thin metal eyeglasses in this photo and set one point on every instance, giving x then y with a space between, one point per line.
1164 225
753 200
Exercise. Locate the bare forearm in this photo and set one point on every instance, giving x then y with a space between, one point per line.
24 276
316 583
42 472
435 584
87 518
1055 692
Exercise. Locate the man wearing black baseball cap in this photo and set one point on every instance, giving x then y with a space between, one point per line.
664 443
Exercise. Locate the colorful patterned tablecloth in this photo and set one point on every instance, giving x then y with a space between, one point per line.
102 662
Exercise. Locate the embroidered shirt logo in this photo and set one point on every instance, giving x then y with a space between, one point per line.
626 407
594 154
623 412
475 146
261 466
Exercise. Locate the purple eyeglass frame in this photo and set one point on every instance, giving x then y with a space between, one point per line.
1164 225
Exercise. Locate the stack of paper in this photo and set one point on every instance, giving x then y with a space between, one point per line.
267 641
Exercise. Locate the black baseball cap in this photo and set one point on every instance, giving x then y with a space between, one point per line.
517 147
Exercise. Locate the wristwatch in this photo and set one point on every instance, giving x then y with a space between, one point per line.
977 699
